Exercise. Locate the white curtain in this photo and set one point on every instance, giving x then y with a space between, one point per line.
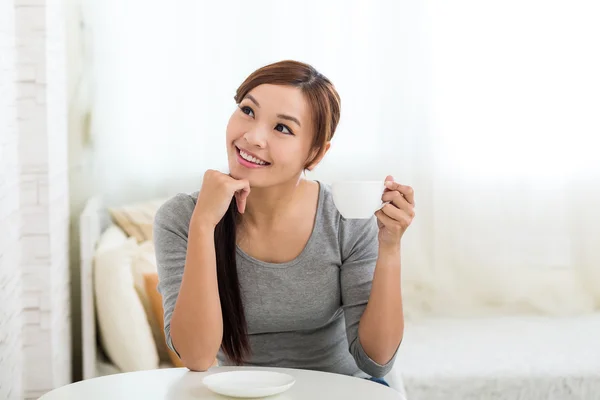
488 109
514 135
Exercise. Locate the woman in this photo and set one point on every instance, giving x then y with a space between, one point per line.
259 268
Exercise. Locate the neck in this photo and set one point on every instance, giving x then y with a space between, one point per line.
265 206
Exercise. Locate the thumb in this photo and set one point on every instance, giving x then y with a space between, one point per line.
388 178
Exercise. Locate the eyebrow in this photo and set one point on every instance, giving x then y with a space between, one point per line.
253 100
289 118
282 116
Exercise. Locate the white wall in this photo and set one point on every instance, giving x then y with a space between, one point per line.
11 356
58 192
34 163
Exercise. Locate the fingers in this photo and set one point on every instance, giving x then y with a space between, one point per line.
397 217
399 201
240 184
392 211
388 178
240 198
384 219
241 190
407 191
397 212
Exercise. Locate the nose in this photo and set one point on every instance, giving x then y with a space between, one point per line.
257 137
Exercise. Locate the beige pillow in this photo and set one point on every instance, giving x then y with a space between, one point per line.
111 238
136 219
155 299
125 333
145 263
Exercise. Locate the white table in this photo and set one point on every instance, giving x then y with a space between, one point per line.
182 384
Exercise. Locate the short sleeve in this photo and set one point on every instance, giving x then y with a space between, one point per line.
170 235
359 245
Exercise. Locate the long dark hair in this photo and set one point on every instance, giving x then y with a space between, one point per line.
325 106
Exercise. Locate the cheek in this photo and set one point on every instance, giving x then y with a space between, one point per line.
235 128
294 155
304 153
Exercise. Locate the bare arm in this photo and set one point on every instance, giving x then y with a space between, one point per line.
197 324
370 283
186 260
382 323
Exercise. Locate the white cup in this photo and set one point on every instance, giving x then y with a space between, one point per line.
357 199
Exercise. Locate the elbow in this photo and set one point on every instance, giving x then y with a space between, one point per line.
200 364
196 356
374 361
388 353
197 359
382 359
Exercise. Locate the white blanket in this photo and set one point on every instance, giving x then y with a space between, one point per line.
516 358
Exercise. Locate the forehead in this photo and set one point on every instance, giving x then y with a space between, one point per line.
279 99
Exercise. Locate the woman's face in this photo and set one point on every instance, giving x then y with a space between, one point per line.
269 136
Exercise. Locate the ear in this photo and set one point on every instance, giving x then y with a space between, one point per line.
318 159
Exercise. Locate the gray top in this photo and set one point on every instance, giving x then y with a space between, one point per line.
300 314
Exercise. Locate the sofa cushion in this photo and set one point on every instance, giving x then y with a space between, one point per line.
125 333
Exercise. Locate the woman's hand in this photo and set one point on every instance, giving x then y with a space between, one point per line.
215 196
395 217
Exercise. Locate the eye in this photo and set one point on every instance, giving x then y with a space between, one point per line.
247 110
283 129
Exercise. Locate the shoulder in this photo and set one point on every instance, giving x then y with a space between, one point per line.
176 212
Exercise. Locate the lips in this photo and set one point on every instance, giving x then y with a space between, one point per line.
251 158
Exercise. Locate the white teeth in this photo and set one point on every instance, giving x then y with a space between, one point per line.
248 157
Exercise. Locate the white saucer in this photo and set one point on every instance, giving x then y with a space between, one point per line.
249 384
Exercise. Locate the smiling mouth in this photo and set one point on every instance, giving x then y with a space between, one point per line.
247 157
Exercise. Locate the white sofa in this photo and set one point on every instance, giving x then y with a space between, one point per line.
512 358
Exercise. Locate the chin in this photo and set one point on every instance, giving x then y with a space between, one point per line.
239 172
257 177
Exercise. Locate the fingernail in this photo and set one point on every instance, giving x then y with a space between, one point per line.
388 183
